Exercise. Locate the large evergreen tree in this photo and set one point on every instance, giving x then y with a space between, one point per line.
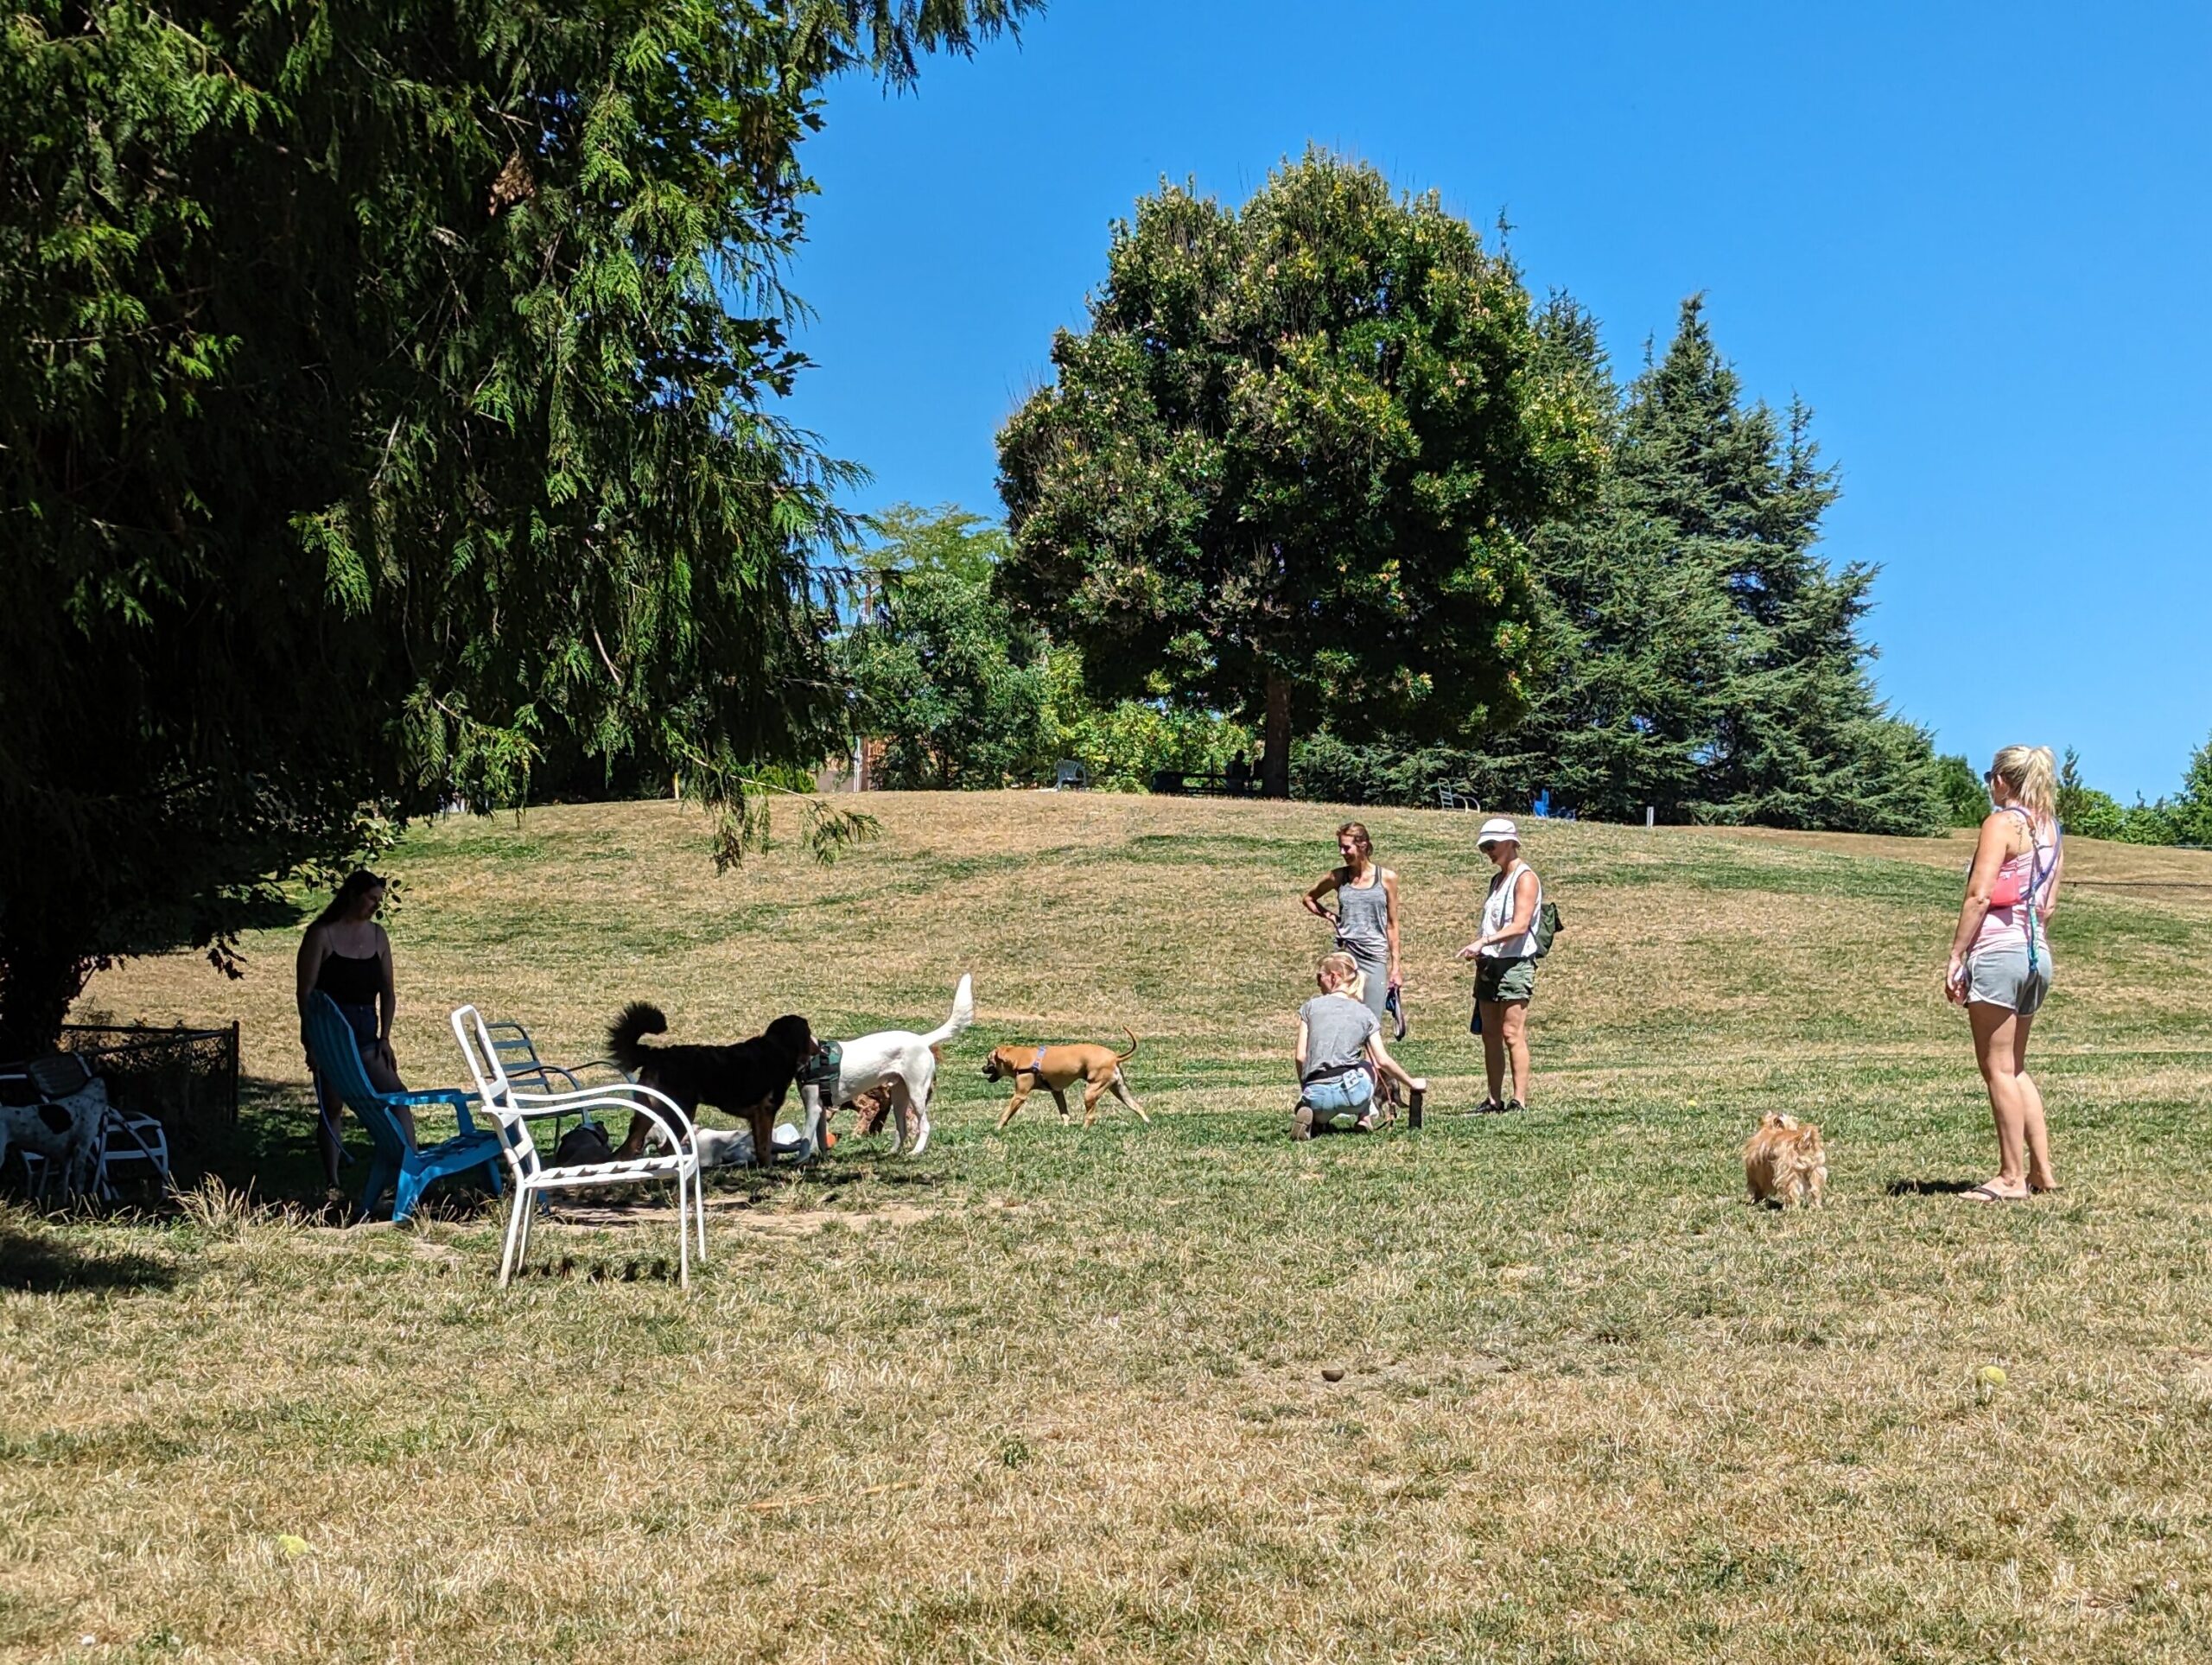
1704 659
1637 639
384 387
1292 466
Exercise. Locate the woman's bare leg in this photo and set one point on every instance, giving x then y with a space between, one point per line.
327 1110
2033 1127
1514 1015
385 1079
1993 1044
1494 1048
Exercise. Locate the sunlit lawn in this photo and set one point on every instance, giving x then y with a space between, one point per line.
1053 1394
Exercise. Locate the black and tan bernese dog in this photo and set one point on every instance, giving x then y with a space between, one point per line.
747 1080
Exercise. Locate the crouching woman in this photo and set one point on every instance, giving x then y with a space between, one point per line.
1341 1055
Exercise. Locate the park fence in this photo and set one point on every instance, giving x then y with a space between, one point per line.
185 1079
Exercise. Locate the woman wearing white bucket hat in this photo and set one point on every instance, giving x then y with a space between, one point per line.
1505 962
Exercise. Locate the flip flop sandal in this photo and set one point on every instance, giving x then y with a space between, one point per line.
1984 1194
1490 1106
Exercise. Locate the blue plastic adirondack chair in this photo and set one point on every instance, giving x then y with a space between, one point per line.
397 1165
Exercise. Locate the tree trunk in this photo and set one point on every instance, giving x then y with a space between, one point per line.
37 983
1274 767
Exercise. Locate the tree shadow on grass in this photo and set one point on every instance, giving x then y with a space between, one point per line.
38 1261
1929 1187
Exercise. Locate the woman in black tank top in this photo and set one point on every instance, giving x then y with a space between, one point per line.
346 956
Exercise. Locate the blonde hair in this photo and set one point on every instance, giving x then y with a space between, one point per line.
1341 974
2032 773
1357 834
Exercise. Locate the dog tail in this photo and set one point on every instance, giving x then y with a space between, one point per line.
963 1014
1124 1057
638 1019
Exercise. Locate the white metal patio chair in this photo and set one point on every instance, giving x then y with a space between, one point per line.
514 1109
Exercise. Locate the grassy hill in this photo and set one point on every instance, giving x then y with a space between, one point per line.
1056 1395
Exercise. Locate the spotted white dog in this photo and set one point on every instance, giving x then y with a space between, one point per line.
66 1131
898 1059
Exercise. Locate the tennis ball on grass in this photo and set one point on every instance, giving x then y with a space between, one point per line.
291 1545
1990 1375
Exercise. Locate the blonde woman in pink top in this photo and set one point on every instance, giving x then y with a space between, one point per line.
2000 959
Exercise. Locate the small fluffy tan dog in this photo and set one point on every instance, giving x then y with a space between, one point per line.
1784 1163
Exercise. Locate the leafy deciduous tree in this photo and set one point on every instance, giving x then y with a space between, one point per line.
957 692
1291 467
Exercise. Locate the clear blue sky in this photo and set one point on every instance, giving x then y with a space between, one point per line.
1974 237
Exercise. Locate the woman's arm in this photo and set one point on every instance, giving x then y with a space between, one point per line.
1981 879
1390 1067
309 964
1300 1054
1391 919
387 996
1524 907
1311 900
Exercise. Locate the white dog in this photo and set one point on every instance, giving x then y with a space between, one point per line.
899 1059
732 1147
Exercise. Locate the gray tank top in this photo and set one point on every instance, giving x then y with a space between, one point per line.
1363 919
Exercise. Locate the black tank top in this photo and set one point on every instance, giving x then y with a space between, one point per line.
351 981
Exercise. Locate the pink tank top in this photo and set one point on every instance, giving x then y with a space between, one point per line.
2032 873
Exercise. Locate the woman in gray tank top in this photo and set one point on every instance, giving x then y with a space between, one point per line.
1367 912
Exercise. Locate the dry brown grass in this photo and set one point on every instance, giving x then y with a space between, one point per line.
1059 1395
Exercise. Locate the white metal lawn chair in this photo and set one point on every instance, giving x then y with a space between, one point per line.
127 1136
514 1109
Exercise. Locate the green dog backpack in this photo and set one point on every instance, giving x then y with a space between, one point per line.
1547 928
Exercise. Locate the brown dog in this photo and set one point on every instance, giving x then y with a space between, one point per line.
870 1110
1057 1068
1784 1163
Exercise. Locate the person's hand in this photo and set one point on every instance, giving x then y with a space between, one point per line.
1954 981
1419 1083
1469 951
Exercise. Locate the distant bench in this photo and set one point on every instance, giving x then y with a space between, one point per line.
1187 783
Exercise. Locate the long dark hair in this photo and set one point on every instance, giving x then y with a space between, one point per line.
358 884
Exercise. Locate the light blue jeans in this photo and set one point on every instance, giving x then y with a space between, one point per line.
1341 1100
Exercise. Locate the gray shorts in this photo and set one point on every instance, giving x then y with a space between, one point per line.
1999 976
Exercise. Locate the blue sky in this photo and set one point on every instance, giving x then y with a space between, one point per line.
1974 238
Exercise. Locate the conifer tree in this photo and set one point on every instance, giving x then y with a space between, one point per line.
387 388
1707 661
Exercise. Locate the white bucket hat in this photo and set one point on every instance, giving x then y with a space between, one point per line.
1497 831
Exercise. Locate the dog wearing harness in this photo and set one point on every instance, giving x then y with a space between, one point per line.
897 1063
1057 1068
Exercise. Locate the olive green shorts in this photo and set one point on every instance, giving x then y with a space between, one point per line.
1509 980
